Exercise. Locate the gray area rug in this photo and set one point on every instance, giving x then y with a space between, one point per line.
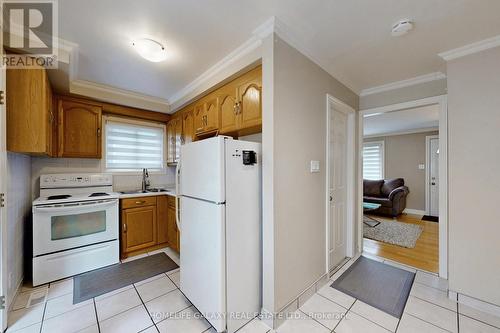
104 280
379 285
397 233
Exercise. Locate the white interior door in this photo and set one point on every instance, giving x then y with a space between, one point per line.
337 151
434 177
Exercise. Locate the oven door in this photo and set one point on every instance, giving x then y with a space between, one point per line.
65 226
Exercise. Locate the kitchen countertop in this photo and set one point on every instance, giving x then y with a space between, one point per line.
170 191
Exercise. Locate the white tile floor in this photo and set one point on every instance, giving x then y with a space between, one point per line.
428 310
157 305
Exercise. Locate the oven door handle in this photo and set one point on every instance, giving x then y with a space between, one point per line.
69 207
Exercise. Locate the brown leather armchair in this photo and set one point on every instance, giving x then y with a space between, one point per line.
389 193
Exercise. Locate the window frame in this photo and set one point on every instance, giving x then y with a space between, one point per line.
382 156
137 122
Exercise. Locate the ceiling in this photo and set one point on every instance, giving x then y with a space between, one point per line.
349 38
409 120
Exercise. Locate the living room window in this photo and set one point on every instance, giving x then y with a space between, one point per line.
373 160
131 145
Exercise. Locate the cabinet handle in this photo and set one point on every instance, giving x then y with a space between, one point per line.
124 227
98 132
237 108
140 202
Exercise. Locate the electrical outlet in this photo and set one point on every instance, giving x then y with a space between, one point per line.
421 166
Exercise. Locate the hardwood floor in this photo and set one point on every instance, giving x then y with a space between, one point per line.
425 255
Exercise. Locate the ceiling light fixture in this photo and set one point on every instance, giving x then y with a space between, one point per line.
402 27
150 49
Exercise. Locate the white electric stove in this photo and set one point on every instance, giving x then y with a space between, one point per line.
75 225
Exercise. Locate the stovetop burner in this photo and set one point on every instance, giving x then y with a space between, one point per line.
59 197
99 194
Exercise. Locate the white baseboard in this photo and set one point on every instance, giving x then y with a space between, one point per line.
479 305
414 211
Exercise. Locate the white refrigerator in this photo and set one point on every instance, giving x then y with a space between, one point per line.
220 230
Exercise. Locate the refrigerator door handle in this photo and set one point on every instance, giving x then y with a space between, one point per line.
177 201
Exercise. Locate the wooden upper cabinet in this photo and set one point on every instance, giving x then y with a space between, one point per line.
188 126
79 129
234 109
228 116
249 107
212 114
30 114
171 142
206 115
199 117
178 138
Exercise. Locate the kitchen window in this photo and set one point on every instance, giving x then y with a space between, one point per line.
373 160
130 146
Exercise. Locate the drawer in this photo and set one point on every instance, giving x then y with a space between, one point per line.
63 264
138 202
171 201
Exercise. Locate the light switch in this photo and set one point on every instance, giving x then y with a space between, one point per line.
314 166
421 166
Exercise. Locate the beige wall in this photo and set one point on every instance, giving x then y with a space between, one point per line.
412 93
403 154
474 179
297 136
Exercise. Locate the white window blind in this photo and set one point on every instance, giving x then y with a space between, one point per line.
133 146
373 160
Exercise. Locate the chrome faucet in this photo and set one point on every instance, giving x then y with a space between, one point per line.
145 180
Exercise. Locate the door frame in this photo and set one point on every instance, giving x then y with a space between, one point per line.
442 101
428 172
351 177
3 211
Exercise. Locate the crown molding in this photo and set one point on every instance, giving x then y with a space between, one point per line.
253 43
198 84
404 83
471 48
243 57
118 96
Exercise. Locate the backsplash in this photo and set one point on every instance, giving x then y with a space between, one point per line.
46 165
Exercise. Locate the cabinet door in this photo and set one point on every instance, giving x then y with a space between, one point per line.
172 230
162 219
212 115
27 111
199 117
250 100
178 138
171 142
79 129
139 228
188 127
228 116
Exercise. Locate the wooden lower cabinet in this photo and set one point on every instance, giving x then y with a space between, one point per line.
147 223
162 214
139 228
173 232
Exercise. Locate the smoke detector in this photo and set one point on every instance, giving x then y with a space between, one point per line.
401 27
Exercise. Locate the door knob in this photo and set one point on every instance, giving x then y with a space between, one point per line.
331 198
